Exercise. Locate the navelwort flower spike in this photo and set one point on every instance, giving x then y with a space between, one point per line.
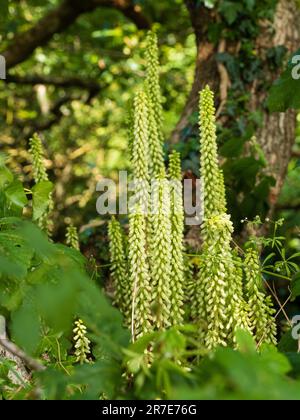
40 176
177 231
160 251
141 290
140 150
119 268
238 307
261 308
72 239
213 183
213 278
37 155
152 81
81 342
221 306
156 154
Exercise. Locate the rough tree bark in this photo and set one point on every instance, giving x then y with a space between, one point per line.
277 134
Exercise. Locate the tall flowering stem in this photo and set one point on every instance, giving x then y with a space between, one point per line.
72 239
160 251
212 178
40 175
119 269
141 288
81 342
221 305
152 81
261 308
177 232
140 150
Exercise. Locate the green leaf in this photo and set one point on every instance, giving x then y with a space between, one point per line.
233 147
245 341
285 93
230 10
16 254
15 194
26 327
287 343
6 177
294 359
40 198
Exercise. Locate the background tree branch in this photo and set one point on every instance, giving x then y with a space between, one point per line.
59 19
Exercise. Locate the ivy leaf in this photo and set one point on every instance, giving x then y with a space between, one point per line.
230 10
287 343
40 198
295 286
285 92
233 147
250 4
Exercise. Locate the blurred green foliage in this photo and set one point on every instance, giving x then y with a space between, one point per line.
90 141
45 286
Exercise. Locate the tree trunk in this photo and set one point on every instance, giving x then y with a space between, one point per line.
277 135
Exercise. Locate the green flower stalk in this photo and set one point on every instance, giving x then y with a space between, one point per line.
82 343
72 239
238 307
177 231
213 278
152 81
156 161
142 294
261 308
160 251
216 267
119 269
37 155
220 297
212 178
140 150
190 287
40 175
221 193
156 154
130 127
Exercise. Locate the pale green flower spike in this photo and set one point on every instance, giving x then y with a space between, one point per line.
130 128
72 239
213 183
37 155
40 175
220 297
160 251
261 307
119 269
238 307
152 81
156 154
81 342
140 149
214 275
221 191
177 231
190 291
142 294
